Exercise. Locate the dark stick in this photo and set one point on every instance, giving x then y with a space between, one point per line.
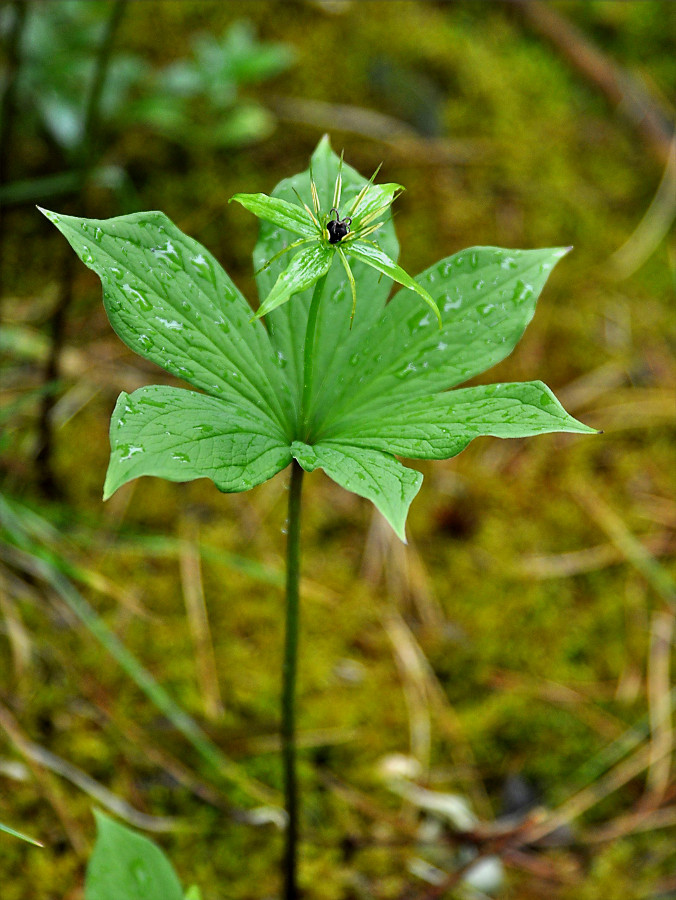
8 107
57 332
85 156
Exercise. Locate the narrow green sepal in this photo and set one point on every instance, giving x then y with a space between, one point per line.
373 256
278 211
306 268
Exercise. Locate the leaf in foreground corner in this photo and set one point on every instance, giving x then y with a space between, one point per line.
125 865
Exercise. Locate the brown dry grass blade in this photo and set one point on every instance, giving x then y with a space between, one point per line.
198 621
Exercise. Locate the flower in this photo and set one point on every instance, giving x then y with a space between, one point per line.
325 235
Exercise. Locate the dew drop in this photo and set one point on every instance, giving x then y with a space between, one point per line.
450 303
130 451
137 296
171 324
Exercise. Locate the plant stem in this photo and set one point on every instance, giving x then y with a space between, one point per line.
289 682
308 356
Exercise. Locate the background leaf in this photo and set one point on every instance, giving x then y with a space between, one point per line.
182 435
171 302
287 324
486 296
370 473
127 866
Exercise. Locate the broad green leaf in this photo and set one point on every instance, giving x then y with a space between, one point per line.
126 865
372 474
304 270
280 212
486 296
441 426
18 834
182 435
171 302
374 256
287 323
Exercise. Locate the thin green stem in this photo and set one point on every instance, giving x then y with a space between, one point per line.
289 682
308 356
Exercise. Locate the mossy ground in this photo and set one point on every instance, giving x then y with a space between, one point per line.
539 674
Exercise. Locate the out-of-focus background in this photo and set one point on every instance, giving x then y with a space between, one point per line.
486 712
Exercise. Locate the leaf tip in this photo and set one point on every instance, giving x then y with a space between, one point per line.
48 214
108 487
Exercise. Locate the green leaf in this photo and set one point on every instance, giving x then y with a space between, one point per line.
372 474
193 893
171 302
441 426
287 323
127 866
182 435
280 212
486 296
374 256
306 268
